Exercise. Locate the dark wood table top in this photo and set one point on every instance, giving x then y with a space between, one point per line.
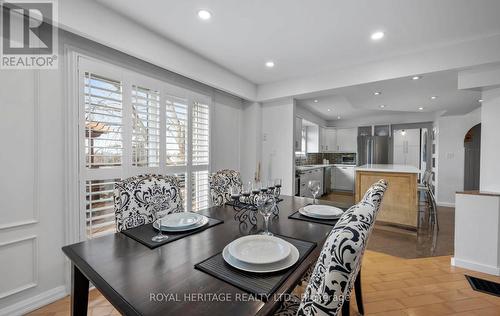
127 272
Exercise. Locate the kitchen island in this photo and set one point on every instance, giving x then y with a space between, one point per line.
400 204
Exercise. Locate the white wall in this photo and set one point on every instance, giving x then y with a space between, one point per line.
250 140
470 209
31 189
490 141
451 133
278 119
226 130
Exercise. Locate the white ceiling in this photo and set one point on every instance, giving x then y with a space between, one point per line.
401 95
310 37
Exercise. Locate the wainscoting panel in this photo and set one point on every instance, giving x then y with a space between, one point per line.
19 159
19 265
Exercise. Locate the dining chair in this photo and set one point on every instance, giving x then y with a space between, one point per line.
338 267
220 183
140 199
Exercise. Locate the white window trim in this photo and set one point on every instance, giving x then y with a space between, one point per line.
75 157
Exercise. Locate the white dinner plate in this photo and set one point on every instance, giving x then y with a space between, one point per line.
202 223
262 268
259 249
181 220
321 211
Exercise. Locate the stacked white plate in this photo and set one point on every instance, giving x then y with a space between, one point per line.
260 254
321 211
179 222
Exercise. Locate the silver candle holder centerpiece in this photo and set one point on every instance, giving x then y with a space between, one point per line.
244 199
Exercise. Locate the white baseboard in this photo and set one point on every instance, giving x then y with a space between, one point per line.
445 204
35 302
475 266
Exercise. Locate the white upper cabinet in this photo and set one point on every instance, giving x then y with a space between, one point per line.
312 139
347 140
329 140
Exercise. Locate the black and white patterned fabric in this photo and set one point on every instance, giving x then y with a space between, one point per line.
220 182
139 199
340 259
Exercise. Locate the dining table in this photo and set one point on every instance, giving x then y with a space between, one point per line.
138 280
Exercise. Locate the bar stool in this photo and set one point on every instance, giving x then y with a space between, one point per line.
426 187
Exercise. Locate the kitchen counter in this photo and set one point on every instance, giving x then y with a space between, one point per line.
311 167
388 168
400 204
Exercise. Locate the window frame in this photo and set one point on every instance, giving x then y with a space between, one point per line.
129 78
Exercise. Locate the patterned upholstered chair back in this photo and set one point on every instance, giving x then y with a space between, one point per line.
340 259
220 182
139 198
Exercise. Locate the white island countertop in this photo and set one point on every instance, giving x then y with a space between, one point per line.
388 168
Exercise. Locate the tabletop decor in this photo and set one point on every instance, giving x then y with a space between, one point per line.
245 201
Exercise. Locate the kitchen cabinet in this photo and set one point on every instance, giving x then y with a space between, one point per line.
298 134
343 178
308 175
407 147
347 140
312 139
329 140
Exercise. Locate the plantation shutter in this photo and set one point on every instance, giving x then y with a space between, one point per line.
200 133
103 122
132 124
176 130
145 127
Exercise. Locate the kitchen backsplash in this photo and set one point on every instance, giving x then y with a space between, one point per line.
317 158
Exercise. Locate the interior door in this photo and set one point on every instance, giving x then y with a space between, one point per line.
472 146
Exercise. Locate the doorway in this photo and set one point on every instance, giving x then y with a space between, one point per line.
472 149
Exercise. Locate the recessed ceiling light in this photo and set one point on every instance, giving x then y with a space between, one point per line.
382 106
270 64
328 110
416 77
204 15
377 35
315 101
434 97
420 108
377 93
338 117
480 100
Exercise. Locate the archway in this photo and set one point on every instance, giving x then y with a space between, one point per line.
472 151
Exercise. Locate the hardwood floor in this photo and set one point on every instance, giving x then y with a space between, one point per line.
391 286
427 241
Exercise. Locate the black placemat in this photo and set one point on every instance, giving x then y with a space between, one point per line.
300 217
144 233
261 285
331 222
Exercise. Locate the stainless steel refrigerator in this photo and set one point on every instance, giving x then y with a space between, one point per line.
373 150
